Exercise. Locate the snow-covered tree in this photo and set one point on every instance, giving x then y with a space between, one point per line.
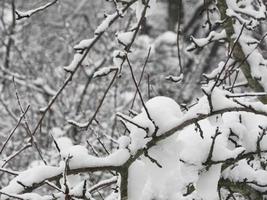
116 107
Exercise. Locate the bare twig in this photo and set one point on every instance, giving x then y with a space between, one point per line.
141 98
178 35
141 77
126 118
14 129
228 58
9 158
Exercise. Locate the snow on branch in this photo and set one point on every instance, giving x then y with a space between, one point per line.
105 24
163 151
29 13
141 143
79 162
248 12
104 71
202 42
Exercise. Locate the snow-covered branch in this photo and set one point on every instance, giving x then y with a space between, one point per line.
29 13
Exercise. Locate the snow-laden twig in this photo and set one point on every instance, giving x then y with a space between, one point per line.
29 13
103 184
35 177
12 195
202 42
175 79
255 94
9 171
128 119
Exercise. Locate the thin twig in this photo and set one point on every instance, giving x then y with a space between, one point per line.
101 101
9 158
14 129
140 96
28 130
141 77
178 35
228 58
125 118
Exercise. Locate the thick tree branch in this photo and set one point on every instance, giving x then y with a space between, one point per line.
238 52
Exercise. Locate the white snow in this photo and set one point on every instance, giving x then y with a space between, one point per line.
201 42
79 158
220 101
74 63
118 58
84 44
244 171
163 111
104 71
137 179
180 158
175 78
182 155
164 170
125 38
248 8
34 196
57 132
30 176
105 24
216 71
124 141
208 182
